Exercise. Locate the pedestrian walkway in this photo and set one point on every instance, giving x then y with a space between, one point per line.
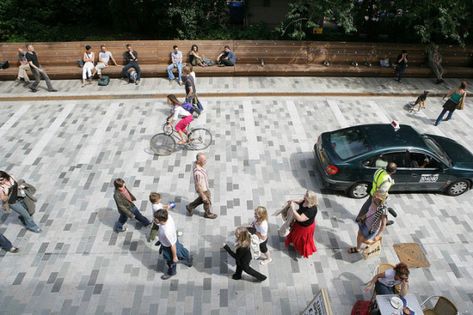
261 155
232 86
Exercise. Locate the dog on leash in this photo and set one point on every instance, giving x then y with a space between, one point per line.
419 103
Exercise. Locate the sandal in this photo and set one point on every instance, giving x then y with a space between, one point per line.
353 250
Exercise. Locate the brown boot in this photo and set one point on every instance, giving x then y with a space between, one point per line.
189 210
210 215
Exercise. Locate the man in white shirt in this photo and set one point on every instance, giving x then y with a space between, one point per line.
104 57
176 59
172 249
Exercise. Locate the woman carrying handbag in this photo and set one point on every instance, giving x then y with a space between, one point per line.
456 100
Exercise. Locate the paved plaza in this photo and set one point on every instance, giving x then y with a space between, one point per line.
261 155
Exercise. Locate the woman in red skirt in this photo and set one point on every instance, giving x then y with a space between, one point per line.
302 231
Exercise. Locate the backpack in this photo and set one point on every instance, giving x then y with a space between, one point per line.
104 80
188 107
4 65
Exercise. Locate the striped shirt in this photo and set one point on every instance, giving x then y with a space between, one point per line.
201 179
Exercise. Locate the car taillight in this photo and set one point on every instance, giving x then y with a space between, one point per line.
331 169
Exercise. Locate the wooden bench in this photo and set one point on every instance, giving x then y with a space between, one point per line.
254 58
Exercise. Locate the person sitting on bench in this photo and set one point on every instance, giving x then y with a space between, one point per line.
227 57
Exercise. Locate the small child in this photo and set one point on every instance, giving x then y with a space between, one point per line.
172 250
156 205
243 255
260 225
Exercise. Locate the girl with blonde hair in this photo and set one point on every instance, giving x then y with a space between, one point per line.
243 255
260 226
302 231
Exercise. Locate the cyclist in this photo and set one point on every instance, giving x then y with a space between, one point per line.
177 112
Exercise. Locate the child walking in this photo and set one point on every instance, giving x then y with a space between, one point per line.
260 226
243 255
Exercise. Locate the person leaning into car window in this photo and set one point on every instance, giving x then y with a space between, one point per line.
382 182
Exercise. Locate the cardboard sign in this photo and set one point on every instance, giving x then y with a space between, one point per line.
320 305
372 250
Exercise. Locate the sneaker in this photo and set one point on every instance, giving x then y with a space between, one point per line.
158 243
265 262
123 229
190 262
235 277
137 82
34 90
14 250
180 82
210 215
54 90
189 210
179 233
390 222
35 230
166 276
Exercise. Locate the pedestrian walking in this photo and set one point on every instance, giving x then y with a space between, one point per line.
173 251
372 224
259 227
382 182
456 100
301 235
37 70
201 181
243 255
401 65
6 245
126 208
15 198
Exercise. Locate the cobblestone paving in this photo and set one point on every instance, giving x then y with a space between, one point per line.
261 155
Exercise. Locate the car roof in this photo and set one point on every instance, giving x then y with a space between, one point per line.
384 136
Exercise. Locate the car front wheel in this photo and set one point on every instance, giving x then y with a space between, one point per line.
457 188
358 190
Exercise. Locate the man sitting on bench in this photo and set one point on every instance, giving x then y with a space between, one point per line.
226 58
131 60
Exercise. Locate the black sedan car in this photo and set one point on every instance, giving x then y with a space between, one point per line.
347 159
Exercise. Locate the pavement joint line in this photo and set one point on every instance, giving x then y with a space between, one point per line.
209 95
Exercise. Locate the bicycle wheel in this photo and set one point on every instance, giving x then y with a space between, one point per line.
199 139
167 129
162 144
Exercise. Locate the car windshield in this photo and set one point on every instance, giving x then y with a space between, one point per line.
434 146
348 143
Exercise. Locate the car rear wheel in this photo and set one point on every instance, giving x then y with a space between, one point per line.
457 188
358 190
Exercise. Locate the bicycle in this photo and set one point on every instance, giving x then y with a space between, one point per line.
165 143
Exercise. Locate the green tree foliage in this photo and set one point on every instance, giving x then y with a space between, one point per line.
421 20
304 15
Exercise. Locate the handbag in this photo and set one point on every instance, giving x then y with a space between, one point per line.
372 250
461 104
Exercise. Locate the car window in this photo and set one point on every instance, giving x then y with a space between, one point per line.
348 143
400 158
433 145
421 160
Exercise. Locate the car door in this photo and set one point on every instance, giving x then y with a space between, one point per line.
427 173
402 177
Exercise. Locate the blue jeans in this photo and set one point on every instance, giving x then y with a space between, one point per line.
123 218
181 252
134 65
5 243
179 71
380 289
20 208
439 119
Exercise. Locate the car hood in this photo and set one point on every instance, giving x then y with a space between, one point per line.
460 156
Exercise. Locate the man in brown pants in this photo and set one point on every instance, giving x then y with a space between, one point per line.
201 182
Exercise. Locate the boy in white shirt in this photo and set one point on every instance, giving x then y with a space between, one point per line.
155 199
171 248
